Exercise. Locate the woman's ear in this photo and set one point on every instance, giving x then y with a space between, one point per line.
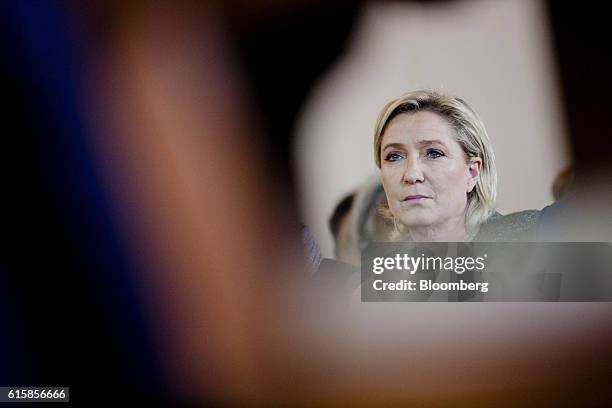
474 172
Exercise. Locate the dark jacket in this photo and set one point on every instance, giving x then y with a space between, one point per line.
518 226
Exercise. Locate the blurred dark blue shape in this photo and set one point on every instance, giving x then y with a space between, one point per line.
71 313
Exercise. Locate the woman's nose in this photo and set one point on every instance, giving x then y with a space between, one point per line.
413 172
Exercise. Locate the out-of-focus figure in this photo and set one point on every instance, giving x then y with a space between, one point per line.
345 248
358 219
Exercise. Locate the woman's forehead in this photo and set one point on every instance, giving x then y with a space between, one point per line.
418 128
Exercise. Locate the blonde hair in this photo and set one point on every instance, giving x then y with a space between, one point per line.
471 136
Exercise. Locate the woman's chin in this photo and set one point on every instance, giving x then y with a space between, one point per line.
421 221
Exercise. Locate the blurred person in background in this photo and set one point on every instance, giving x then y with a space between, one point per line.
584 210
357 220
339 226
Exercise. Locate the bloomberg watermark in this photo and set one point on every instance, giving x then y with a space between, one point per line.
455 272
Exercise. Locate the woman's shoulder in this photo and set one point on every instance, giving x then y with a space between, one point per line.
517 226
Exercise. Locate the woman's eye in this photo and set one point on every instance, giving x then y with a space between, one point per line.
434 154
393 157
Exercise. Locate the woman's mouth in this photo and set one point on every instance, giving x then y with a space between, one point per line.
415 197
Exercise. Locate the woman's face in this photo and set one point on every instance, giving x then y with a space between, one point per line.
424 171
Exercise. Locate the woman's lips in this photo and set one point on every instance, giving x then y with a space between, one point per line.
415 197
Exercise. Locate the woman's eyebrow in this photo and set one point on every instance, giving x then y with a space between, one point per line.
394 145
429 142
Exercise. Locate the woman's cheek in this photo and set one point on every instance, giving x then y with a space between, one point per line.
388 176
